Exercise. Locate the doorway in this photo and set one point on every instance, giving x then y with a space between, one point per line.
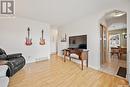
113 43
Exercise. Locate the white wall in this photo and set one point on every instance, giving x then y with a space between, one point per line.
13 32
82 27
128 43
53 39
90 25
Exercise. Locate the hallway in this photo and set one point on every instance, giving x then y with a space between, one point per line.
112 65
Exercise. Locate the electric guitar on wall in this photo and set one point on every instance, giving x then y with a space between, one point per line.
28 39
42 41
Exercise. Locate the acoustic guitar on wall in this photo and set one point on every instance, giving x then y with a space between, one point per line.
28 39
42 40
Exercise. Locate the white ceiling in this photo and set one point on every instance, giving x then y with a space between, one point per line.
59 12
115 22
122 21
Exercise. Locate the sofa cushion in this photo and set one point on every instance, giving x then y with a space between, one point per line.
16 55
4 81
3 70
3 54
3 57
2 51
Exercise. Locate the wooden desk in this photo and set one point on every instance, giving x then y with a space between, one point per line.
119 51
115 51
83 55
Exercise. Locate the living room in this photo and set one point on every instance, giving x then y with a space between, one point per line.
40 30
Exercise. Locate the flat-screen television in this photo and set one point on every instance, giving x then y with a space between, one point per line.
79 42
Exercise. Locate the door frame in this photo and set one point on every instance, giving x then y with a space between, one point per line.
103 49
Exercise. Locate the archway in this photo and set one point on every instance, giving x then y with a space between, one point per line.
113 43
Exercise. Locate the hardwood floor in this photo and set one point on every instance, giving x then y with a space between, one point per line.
113 64
56 73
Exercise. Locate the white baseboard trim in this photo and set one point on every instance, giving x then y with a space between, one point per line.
53 53
93 67
41 59
37 60
90 66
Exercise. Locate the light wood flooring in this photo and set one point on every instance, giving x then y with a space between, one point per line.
56 73
112 65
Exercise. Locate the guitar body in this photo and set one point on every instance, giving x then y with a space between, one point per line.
28 42
42 41
28 39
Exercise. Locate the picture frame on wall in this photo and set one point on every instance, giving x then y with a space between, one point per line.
64 38
114 40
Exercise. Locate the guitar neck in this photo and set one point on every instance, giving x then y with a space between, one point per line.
28 33
42 34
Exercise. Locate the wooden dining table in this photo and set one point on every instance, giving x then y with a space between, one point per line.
118 51
83 55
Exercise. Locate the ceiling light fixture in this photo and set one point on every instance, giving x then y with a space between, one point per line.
117 13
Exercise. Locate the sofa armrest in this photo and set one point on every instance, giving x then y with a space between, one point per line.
3 57
3 70
14 55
